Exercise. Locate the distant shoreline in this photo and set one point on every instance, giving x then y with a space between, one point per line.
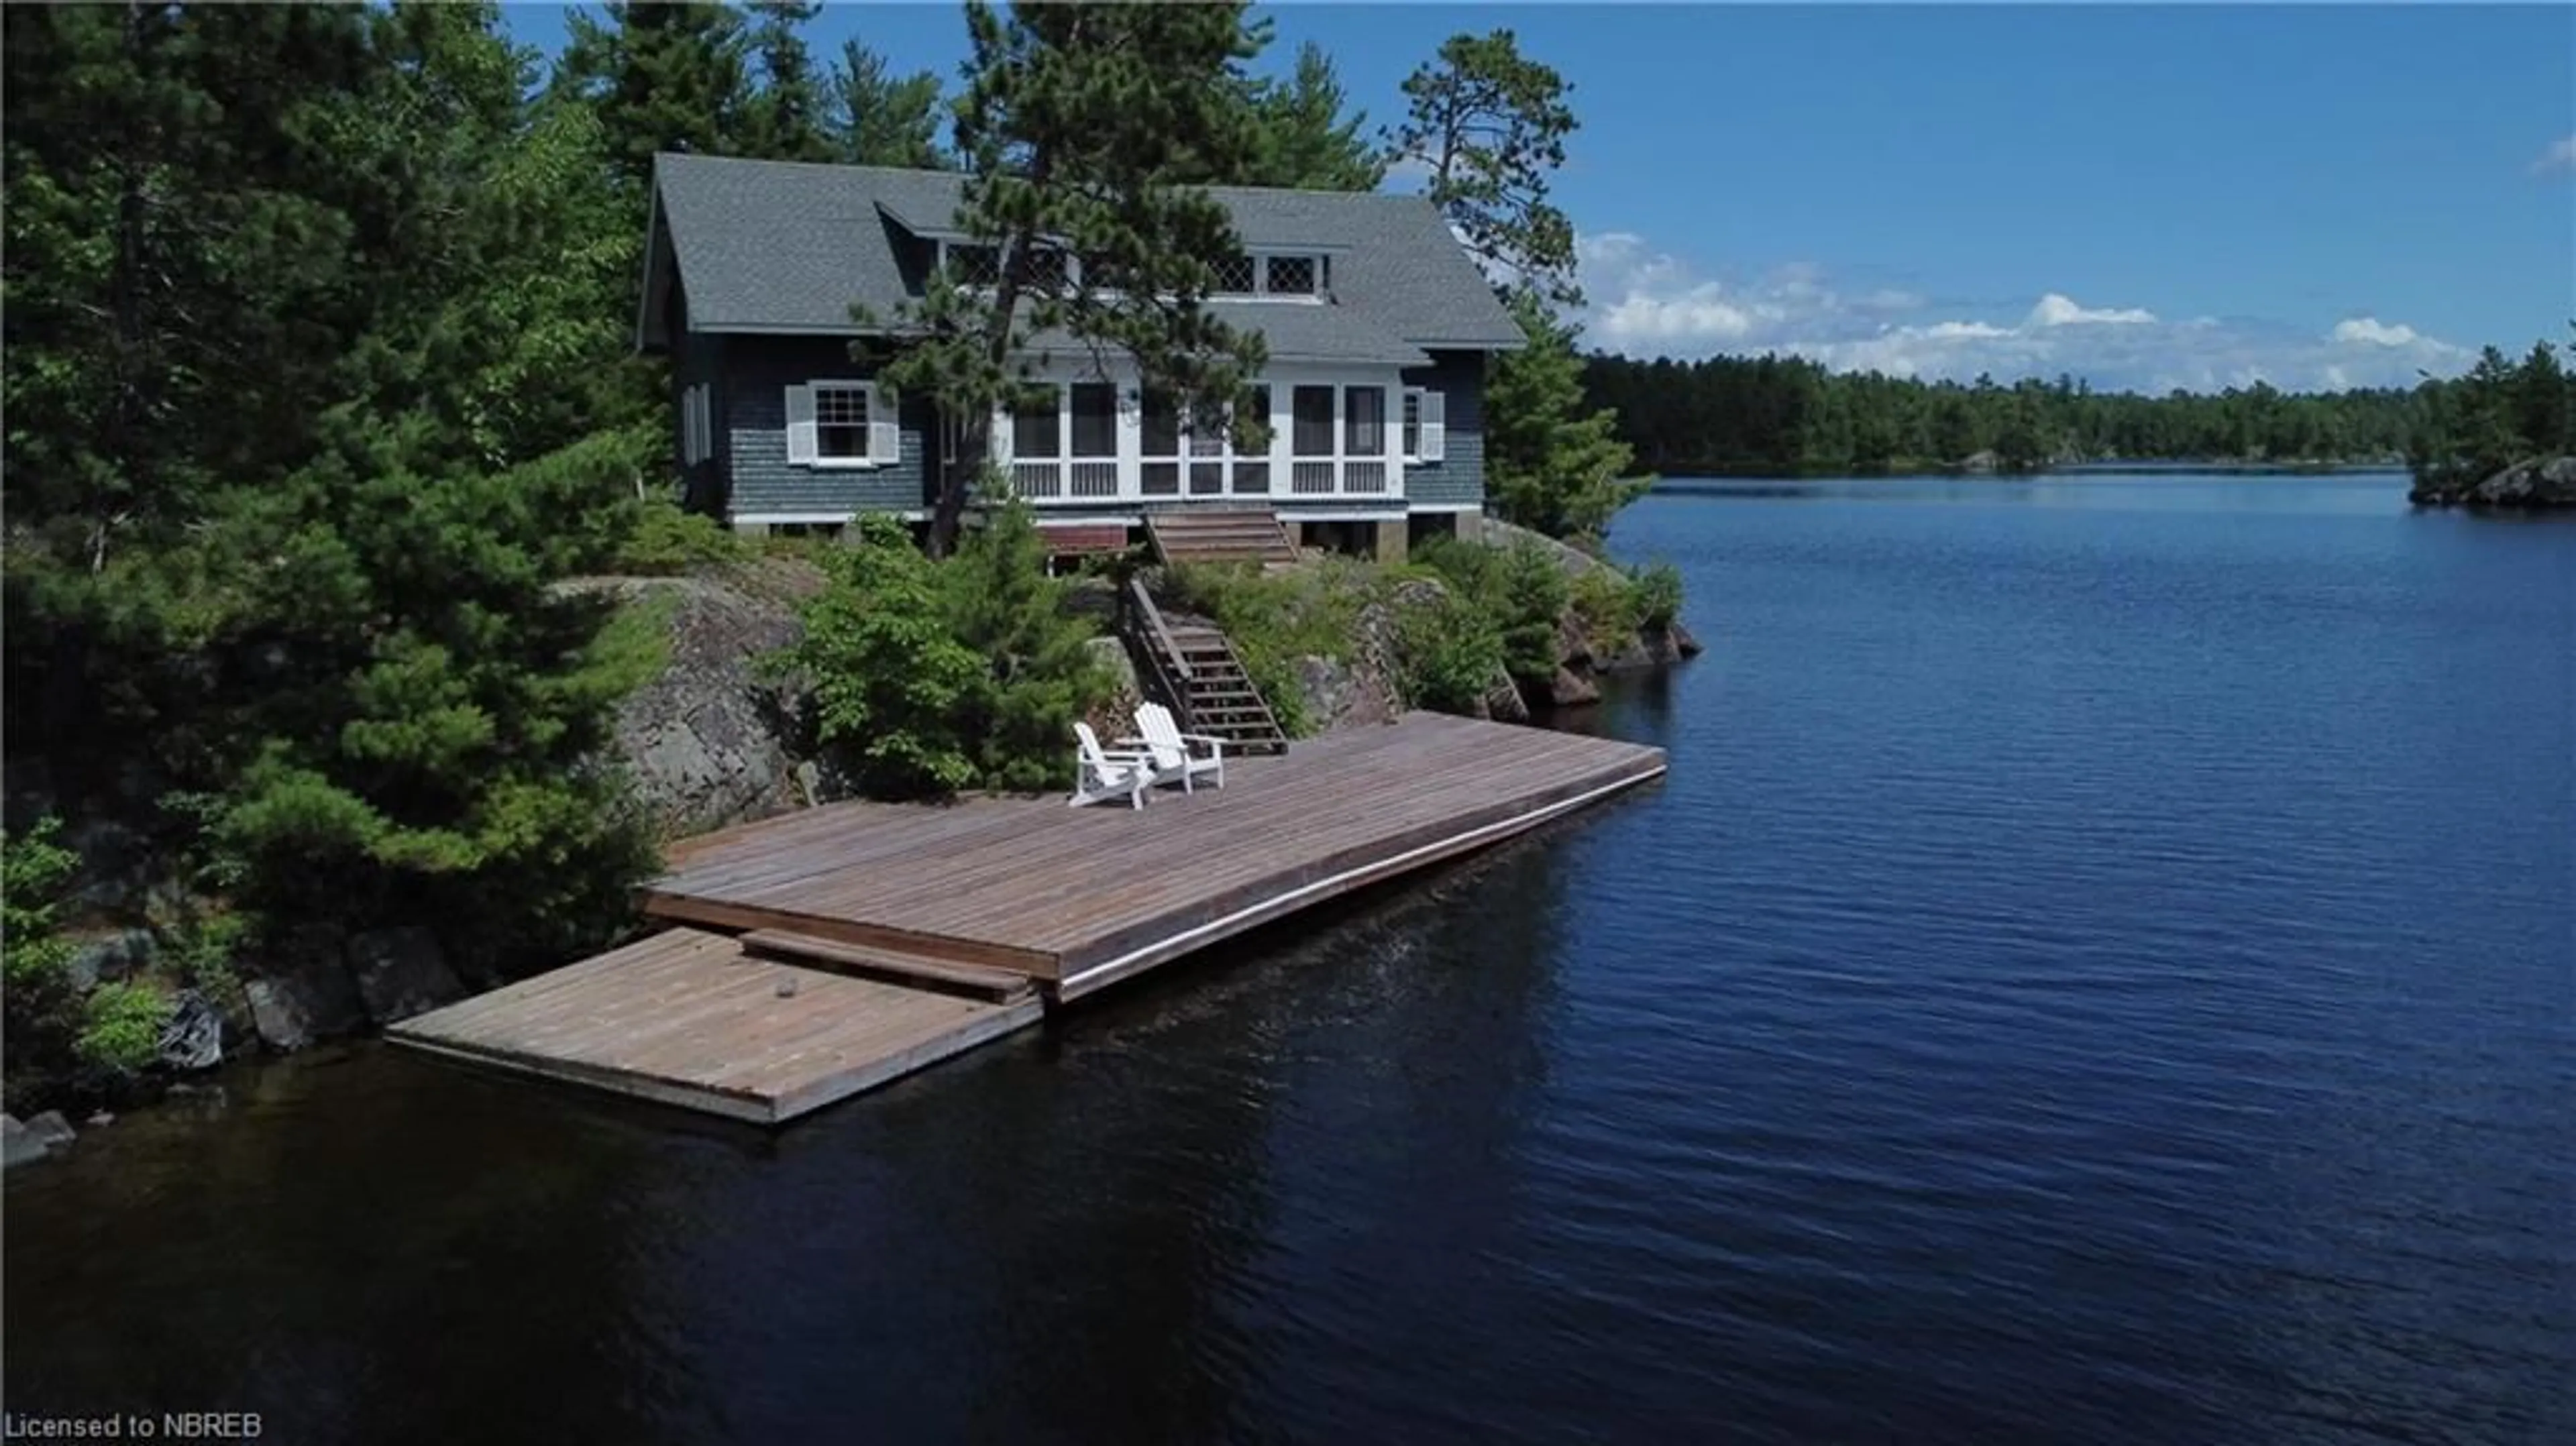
2071 469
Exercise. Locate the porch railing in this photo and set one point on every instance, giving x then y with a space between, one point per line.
1102 480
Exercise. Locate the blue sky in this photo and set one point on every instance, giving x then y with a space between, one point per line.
2187 196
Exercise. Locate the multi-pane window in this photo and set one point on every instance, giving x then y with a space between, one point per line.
840 421
1292 275
1037 431
1412 434
1311 421
1095 419
1364 421
1235 275
973 265
1045 269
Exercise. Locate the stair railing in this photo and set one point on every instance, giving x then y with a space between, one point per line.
1162 652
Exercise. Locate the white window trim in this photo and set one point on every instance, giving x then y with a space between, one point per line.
1260 258
878 413
1282 380
784 519
1394 513
1390 428
1072 262
1431 425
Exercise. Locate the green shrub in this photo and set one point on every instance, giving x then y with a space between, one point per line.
666 540
39 1013
889 677
33 871
1658 591
932 676
1446 654
1521 589
1534 597
121 1027
200 951
1036 672
1605 603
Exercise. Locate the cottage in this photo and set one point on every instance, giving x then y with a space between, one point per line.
1378 328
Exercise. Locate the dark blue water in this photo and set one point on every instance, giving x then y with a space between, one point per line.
2103 967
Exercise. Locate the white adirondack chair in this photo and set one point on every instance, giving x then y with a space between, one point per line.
1177 754
1099 773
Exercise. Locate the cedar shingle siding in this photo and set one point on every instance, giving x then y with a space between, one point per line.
1458 479
755 412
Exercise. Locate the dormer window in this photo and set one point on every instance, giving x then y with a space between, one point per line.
971 265
1291 275
1236 275
974 263
1047 269
1279 275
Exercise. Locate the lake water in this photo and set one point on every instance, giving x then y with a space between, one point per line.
2102 968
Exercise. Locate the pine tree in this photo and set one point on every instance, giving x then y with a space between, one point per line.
1488 126
2542 402
879 120
785 119
663 77
1306 140
1552 466
1074 120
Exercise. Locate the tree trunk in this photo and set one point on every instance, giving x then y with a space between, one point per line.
974 446
974 442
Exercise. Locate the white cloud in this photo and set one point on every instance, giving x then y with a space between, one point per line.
1646 302
2560 156
2371 331
1408 168
2056 309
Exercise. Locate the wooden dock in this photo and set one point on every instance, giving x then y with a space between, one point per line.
821 953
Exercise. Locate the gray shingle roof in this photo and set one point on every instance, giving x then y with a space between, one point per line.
786 246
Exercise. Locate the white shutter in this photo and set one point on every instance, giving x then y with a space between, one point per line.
885 438
1435 425
803 442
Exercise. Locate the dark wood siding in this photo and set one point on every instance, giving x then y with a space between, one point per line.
1458 480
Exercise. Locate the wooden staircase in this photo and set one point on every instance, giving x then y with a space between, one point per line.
1220 534
1198 676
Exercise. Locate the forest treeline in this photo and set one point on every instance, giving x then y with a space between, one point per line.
1786 415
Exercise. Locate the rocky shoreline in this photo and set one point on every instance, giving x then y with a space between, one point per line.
713 740
2539 485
